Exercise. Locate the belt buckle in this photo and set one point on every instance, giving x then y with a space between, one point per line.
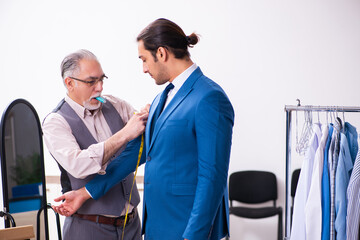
116 220
121 219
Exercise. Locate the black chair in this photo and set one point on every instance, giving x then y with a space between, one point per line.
294 180
254 187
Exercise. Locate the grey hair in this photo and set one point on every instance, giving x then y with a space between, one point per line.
70 65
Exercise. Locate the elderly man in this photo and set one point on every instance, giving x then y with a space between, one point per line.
84 133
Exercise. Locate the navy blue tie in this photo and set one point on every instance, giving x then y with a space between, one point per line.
160 106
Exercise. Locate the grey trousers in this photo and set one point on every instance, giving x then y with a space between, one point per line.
77 229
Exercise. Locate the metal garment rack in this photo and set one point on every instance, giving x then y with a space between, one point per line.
289 109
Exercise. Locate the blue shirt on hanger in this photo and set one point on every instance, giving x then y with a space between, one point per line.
343 173
325 191
352 136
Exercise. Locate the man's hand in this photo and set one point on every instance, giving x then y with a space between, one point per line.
136 125
145 109
133 128
73 201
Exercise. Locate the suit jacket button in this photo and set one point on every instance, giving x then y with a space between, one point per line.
148 158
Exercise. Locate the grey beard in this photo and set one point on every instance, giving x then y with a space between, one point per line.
90 107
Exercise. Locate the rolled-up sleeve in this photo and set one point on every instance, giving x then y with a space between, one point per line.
63 147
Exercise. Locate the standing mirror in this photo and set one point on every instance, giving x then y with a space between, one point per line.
22 166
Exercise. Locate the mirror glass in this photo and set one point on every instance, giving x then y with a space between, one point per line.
22 165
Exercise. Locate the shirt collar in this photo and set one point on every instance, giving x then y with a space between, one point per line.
179 80
80 110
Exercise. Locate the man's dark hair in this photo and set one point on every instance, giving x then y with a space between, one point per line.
167 34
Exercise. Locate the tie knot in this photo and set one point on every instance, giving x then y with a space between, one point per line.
169 87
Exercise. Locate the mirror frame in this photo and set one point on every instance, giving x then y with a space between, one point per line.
3 160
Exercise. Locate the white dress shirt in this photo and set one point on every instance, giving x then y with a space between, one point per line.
313 211
63 146
298 228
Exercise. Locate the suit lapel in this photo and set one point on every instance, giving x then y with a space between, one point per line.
185 89
150 119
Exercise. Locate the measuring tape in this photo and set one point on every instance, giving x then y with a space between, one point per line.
137 165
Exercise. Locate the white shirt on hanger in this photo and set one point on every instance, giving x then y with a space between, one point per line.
298 229
313 211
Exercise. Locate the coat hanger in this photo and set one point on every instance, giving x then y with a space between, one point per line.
331 115
327 118
307 130
338 118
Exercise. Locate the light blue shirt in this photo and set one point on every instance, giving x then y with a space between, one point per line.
352 136
353 188
342 177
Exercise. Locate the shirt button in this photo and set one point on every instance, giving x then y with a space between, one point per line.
148 158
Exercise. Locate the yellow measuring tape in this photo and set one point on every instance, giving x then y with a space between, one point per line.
137 165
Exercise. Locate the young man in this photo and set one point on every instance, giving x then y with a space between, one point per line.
83 135
188 142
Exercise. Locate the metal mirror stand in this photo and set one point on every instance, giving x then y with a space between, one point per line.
22 168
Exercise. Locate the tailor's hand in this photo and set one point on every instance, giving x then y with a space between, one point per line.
145 109
73 201
135 126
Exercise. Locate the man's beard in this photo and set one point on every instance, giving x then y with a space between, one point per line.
90 106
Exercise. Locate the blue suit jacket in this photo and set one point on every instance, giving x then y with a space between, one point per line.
187 160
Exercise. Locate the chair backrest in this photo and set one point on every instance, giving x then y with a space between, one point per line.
294 181
252 186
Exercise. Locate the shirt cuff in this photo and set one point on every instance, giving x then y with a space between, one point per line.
88 192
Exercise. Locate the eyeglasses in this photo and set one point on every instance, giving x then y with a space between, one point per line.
92 82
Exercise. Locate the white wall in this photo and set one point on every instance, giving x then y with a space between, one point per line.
264 53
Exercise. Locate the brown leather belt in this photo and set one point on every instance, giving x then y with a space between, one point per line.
115 221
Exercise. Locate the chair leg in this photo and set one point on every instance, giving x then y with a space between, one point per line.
280 227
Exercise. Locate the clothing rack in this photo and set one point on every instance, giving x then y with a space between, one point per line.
289 109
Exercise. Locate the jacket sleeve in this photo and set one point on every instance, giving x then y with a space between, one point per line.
117 170
213 124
